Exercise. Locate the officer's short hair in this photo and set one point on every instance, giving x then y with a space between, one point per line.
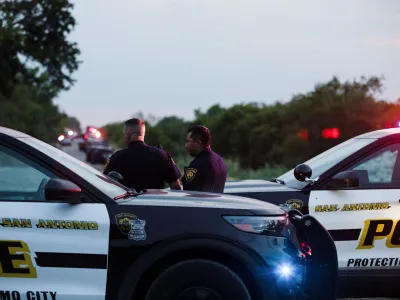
136 125
201 133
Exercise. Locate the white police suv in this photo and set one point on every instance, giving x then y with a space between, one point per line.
353 189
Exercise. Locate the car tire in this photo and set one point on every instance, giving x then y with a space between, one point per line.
189 278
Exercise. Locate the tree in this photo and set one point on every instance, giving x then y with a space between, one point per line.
36 63
34 33
32 112
255 135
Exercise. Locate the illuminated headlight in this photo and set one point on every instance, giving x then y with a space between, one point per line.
60 138
285 270
258 224
290 272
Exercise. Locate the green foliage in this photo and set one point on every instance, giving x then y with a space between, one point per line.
235 171
260 141
36 63
34 33
31 112
169 132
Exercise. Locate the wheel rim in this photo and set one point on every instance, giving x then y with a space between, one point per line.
198 293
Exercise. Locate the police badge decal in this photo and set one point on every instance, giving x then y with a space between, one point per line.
137 232
292 204
131 226
190 173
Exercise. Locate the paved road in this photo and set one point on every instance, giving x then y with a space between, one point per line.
74 151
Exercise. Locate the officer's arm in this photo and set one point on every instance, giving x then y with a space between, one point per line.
109 166
172 174
195 177
175 185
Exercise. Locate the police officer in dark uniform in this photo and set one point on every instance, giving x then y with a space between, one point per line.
208 171
143 166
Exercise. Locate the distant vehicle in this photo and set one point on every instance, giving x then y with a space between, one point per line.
92 137
64 140
81 139
83 235
353 189
70 132
98 154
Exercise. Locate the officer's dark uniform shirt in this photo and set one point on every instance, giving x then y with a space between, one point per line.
206 173
143 166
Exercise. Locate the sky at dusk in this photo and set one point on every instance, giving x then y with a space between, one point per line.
170 57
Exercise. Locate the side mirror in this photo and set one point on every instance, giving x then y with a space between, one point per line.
302 172
116 176
344 180
62 190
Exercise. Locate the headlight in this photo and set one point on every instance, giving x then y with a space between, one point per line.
285 270
258 224
289 272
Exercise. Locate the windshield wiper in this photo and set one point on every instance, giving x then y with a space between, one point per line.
129 193
277 180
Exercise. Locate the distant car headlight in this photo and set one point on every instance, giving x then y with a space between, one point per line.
258 224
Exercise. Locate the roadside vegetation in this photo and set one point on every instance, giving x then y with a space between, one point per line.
37 62
236 172
264 141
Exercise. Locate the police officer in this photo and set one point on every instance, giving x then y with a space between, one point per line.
143 166
208 171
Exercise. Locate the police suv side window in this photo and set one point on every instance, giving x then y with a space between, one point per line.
379 167
20 177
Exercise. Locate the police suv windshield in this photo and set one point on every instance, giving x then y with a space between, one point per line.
326 160
88 173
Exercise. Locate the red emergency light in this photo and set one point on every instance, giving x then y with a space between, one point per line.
330 133
91 129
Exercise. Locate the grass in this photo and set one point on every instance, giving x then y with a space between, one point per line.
237 173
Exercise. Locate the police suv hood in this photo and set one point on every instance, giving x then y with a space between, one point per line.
254 185
200 199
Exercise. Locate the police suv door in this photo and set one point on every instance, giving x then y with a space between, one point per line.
47 250
364 221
